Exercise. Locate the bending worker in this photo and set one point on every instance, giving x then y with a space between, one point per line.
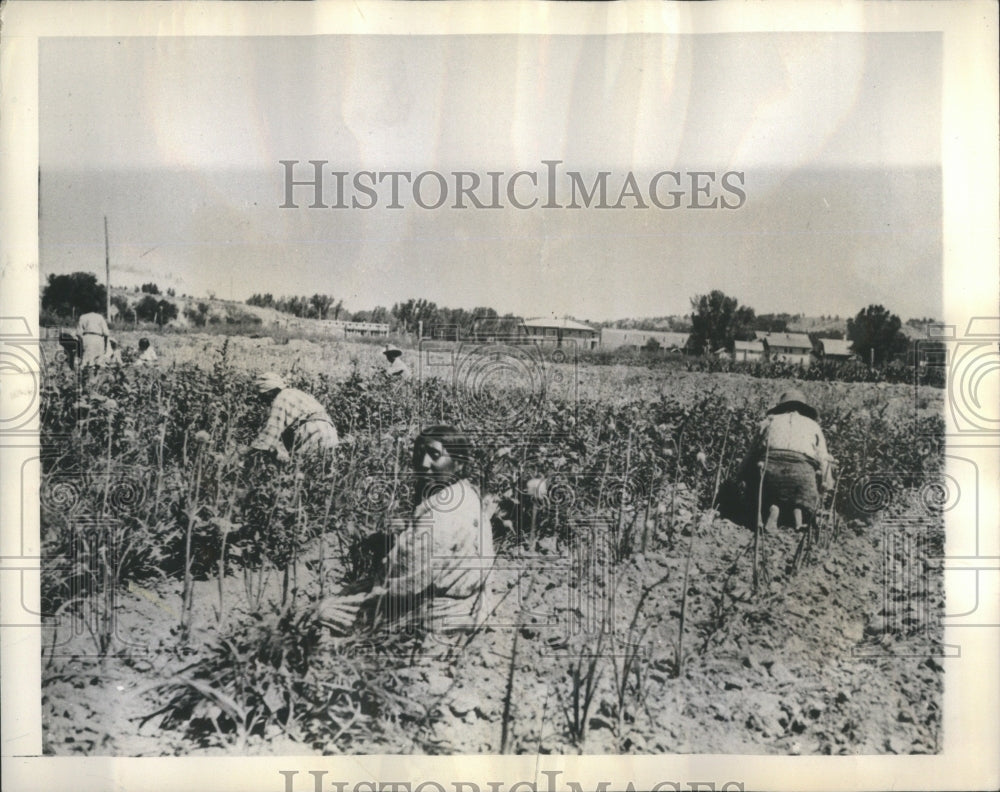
396 368
297 423
796 464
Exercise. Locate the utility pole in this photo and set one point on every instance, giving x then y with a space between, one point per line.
107 272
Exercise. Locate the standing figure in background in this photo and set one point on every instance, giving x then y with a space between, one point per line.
297 423
147 354
396 369
93 333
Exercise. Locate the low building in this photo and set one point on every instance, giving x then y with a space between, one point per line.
556 332
332 327
617 337
788 347
744 351
835 349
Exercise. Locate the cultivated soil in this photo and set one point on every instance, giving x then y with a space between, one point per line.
841 658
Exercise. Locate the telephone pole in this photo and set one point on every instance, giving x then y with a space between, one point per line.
107 272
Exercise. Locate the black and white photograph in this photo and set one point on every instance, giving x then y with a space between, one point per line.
594 394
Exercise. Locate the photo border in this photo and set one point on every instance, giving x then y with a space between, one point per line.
971 723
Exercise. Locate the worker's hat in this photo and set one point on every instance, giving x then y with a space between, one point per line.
794 399
391 351
269 381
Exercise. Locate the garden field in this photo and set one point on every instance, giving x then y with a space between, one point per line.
180 577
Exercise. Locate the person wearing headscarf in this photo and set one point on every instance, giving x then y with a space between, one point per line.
437 570
396 368
792 451
297 422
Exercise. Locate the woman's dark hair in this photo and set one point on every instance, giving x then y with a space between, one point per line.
143 344
453 440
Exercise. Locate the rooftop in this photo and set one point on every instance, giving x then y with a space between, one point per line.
836 346
562 324
793 340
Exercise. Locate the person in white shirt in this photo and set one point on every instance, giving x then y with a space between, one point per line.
791 451
147 354
396 369
436 572
92 330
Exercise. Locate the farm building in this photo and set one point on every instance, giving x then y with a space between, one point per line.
556 331
748 350
835 349
616 337
788 347
332 327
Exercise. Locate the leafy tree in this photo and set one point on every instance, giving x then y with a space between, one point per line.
145 309
772 323
167 312
124 309
875 334
379 315
718 320
262 300
150 288
197 315
71 295
408 315
149 309
320 304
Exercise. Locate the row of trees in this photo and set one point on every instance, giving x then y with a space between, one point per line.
319 306
717 321
65 297
405 317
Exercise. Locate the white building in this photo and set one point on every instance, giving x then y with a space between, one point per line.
788 347
556 332
835 349
744 351
617 337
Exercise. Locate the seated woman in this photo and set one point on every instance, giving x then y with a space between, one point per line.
437 569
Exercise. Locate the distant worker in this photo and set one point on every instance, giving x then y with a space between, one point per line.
70 343
93 333
113 357
791 450
147 354
297 423
396 369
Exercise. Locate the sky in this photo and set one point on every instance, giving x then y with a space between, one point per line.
178 141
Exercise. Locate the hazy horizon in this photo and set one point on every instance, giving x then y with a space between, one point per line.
178 142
